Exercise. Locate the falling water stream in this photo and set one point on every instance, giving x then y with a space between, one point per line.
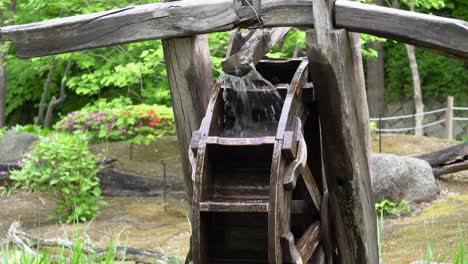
252 105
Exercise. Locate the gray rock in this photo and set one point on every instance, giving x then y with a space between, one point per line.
388 181
396 178
13 145
422 186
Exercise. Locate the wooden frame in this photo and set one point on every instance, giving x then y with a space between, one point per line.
191 17
288 164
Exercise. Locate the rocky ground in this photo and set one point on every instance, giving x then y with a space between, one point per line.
143 223
405 239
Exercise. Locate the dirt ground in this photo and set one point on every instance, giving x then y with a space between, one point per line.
442 222
143 223
138 222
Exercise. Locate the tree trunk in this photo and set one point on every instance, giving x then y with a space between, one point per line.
190 79
376 78
3 69
418 102
3 88
54 102
40 115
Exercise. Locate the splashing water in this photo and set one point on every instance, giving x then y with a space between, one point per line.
252 105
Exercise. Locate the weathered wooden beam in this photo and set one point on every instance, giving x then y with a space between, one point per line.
253 50
190 78
335 66
439 34
309 242
150 21
191 17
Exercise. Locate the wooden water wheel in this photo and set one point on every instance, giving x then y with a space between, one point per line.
258 199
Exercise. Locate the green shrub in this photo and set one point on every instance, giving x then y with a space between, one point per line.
62 166
36 130
372 126
3 131
107 122
387 207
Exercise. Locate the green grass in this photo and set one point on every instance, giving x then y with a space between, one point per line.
62 255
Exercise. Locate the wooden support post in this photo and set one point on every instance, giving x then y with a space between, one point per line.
449 118
337 73
190 79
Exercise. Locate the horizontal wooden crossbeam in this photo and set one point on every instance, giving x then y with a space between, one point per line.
442 35
191 17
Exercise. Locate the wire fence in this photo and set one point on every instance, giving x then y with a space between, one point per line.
448 120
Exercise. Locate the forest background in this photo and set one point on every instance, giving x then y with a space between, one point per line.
135 74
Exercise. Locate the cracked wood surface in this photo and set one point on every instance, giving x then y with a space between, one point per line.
150 21
438 34
336 70
191 17
190 79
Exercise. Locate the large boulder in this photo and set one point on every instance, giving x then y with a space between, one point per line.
422 186
396 178
388 181
13 145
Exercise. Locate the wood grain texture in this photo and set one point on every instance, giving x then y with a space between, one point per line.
443 35
309 242
336 70
150 21
190 79
192 17
253 50
234 207
290 253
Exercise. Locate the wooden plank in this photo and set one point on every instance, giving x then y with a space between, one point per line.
292 101
234 207
309 242
312 187
150 21
197 240
240 141
276 205
192 17
295 168
190 79
336 70
254 49
443 35
290 253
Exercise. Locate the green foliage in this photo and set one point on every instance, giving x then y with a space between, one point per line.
380 227
62 166
79 252
295 39
3 130
387 207
367 52
440 76
134 70
372 126
118 120
137 71
36 130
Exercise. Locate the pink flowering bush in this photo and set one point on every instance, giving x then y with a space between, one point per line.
135 123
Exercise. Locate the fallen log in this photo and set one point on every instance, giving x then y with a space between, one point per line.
28 243
448 160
